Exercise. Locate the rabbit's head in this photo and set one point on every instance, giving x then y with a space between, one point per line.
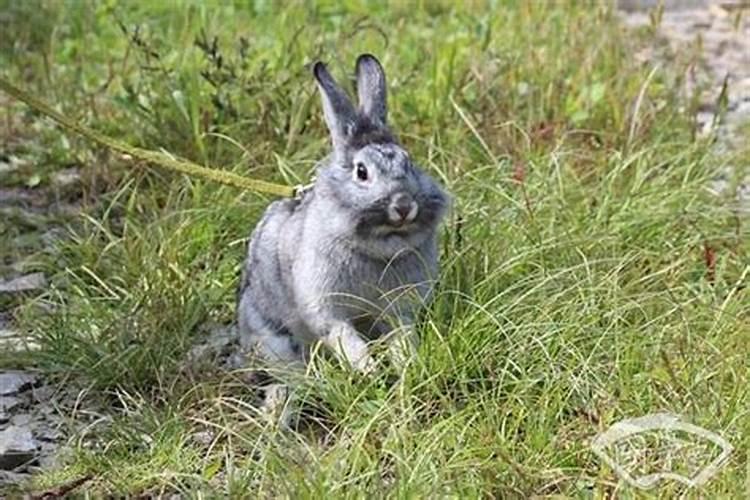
370 176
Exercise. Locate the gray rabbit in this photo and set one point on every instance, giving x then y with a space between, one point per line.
355 257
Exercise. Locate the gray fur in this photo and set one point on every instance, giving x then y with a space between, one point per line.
353 259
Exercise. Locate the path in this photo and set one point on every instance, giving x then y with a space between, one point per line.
722 30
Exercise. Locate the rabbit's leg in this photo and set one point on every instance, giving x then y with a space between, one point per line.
397 318
277 403
402 345
280 351
269 340
343 339
276 347
401 341
328 322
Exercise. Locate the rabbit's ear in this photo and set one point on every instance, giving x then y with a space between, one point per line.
371 88
338 110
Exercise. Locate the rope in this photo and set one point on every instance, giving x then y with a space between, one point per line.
152 157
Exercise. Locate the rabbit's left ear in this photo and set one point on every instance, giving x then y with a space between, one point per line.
371 88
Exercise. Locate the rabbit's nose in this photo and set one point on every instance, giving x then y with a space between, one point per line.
403 211
404 207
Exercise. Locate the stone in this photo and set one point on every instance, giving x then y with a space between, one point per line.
25 283
49 461
8 478
66 177
43 393
705 122
48 410
221 337
634 5
49 433
51 238
7 403
203 438
6 167
13 340
21 419
13 382
12 196
235 361
17 447
220 342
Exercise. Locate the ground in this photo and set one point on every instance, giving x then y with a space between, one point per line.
594 265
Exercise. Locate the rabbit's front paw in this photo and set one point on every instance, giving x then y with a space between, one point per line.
276 406
344 340
402 346
365 365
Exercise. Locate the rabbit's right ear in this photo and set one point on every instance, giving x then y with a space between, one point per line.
338 110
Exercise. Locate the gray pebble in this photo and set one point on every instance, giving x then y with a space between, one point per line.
25 283
13 382
21 419
17 447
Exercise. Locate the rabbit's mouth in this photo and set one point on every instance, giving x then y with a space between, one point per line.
401 224
396 228
382 222
403 227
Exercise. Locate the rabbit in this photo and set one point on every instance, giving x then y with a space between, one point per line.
355 257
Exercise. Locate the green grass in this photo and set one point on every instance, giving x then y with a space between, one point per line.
574 293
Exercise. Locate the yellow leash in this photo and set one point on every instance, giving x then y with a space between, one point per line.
153 157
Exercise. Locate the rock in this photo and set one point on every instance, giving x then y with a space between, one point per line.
705 123
21 420
634 5
220 342
43 393
13 340
235 361
17 447
51 238
25 283
49 433
203 438
221 337
49 461
15 197
6 167
48 410
13 382
66 177
8 478
7 403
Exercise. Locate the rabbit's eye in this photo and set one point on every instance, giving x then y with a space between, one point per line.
361 171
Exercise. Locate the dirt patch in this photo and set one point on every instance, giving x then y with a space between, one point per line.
720 31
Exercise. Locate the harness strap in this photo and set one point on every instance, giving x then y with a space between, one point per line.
153 157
